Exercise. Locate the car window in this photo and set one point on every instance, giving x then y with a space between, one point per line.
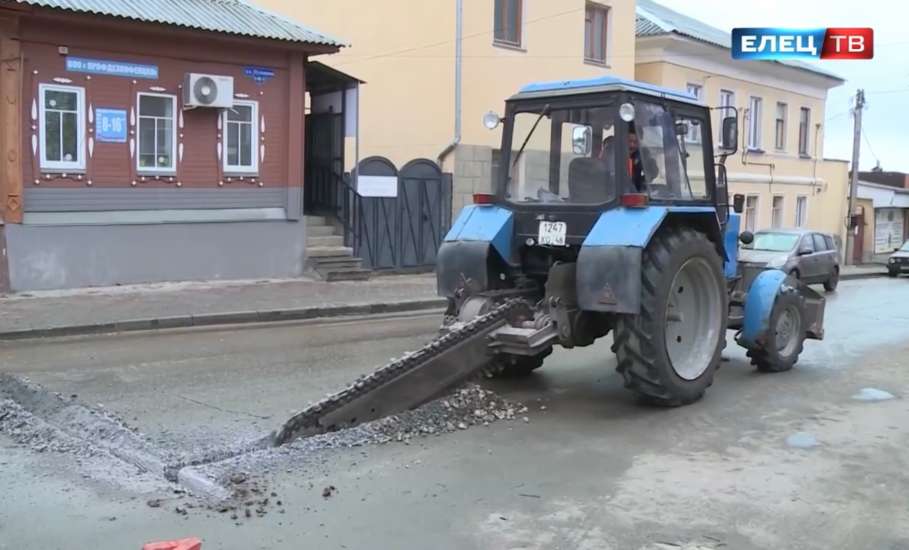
807 243
830 244
819 244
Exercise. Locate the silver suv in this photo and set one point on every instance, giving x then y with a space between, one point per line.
810 256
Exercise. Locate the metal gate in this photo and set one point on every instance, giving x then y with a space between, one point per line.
402 232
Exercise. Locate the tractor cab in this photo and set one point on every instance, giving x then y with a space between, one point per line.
585 146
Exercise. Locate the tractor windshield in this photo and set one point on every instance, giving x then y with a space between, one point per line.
563 155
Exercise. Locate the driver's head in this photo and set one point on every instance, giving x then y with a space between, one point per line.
632 141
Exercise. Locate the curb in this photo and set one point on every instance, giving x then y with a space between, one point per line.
228 318
868 275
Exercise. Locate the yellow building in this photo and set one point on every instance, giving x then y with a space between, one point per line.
780 166
434 67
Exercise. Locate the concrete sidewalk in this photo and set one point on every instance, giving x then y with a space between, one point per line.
171 305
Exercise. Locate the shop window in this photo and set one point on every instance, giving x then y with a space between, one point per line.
241 137
157 139
62 120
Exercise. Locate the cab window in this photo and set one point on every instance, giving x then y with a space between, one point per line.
666 154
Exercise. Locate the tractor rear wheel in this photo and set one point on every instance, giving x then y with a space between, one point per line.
669 352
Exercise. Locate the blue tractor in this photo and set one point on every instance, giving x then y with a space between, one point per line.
609 212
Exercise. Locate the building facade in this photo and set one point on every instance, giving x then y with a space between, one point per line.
433 68
882 208
780 165
115 171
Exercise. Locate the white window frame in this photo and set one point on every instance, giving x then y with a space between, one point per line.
785 119
607 33
757 212
62 165
253 140
807 134
725 112
694 132
755 103
173 142
777 222
801 199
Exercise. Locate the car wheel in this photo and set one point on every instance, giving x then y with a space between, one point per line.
831 283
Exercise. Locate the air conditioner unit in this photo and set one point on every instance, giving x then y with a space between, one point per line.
207 90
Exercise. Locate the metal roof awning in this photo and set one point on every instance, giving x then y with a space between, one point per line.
237 17
321 78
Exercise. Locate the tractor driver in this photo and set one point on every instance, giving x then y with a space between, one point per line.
642 169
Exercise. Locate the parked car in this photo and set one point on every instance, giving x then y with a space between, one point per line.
810 256
899 261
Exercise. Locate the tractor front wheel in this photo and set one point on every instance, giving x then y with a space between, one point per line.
669 352
786 336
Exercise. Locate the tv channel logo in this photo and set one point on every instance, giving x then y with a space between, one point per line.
826 43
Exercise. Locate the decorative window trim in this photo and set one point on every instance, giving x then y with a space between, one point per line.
253 141
156 171
61 165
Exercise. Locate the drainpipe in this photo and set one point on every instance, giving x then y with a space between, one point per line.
459 23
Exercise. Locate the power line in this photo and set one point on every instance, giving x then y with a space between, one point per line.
897 91
870 148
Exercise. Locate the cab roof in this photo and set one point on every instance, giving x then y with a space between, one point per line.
600 84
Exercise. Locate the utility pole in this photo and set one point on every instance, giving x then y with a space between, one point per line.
853 184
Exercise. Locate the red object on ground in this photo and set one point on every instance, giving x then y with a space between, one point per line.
191 543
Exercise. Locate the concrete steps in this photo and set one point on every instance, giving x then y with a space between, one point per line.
327 255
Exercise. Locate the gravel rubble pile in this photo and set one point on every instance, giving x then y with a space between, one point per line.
468 406
27 430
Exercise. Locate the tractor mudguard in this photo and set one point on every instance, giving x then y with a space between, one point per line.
609 264
462 257
761 299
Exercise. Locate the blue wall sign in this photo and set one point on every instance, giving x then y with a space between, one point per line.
111 68
259 74
110 125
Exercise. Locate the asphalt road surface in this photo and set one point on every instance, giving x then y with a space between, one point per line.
764 461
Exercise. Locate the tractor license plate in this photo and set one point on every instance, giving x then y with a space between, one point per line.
552 233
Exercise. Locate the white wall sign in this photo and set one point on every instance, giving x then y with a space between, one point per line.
377 186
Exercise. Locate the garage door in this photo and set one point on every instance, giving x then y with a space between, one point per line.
888 229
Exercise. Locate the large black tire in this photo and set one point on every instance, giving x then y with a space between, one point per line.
641 340
892 272
514 366
780 354
834 280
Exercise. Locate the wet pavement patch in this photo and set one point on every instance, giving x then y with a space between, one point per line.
872 394
802 440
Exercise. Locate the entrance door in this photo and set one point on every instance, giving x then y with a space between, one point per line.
324 162
859 241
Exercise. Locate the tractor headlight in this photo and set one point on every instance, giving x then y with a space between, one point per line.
778 262
626 112
893 260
